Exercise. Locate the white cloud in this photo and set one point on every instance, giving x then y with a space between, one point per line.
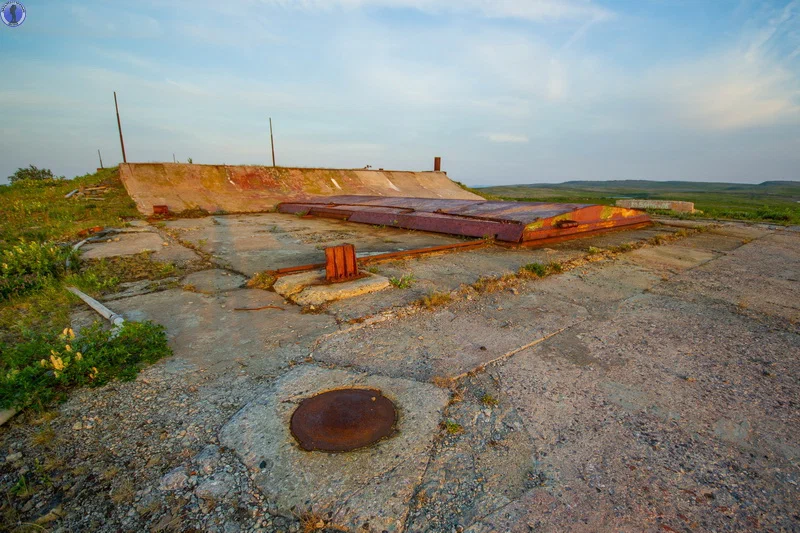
505 137
749 84
532 10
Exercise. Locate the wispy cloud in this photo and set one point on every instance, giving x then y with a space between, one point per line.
505 137
749 84
531 10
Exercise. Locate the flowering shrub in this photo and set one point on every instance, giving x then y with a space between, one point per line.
29 266
43 368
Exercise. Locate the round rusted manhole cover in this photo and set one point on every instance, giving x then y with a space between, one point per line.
343 420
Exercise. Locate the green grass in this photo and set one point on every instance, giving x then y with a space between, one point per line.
41 213
537 269
453 427
403 282
771 201
37 230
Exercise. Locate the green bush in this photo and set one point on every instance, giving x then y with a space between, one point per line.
33 177
43 368
29 266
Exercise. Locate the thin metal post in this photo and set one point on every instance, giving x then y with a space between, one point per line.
119 126
101 158
272 141
173 158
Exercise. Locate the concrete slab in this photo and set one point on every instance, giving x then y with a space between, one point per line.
367 489
673 258
450 342
268 241
310 288
483 461
759 277
214 280
135 243
210 332
662 386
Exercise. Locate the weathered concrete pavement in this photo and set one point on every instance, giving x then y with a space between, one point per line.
653 391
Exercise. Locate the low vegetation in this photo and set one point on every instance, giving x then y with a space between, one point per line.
40 360
489 400
37 211
452 427
262 280
771 201
435 299
44 366
403 282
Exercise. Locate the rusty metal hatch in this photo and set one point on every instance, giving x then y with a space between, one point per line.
515 222
343 420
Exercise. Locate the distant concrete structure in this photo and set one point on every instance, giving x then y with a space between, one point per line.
671 205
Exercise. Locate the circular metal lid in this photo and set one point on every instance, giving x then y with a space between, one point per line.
343 420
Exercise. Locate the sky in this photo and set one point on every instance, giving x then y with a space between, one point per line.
505 91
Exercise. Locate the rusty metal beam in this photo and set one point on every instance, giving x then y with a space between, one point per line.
377 258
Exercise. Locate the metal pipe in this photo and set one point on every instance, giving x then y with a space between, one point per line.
104 311
272 141
101 158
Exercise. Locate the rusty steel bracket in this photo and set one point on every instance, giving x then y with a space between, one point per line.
340 263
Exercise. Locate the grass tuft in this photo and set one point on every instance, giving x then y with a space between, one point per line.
489 400
452 427
403 282
262 280
435 299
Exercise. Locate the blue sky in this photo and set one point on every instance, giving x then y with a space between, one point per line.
505 91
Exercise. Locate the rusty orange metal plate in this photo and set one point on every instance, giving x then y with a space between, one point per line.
517 222
343 420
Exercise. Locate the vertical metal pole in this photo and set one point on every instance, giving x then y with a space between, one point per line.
101 158
173 158
272 141
119 126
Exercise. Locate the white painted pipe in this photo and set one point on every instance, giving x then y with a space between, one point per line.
106 313
7 414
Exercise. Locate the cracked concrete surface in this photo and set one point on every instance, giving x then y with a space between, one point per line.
655 390
371 485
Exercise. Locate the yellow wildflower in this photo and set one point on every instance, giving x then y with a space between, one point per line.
78 356
58 364
93 374
68 348
43 363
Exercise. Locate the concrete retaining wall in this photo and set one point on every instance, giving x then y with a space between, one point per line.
672 205
248 189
